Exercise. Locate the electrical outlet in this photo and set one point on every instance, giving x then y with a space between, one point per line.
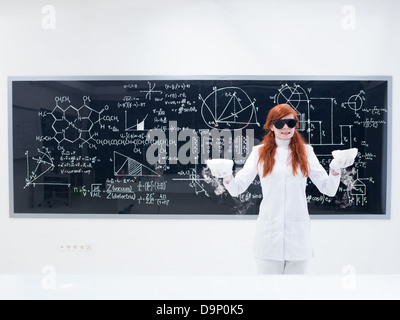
76 247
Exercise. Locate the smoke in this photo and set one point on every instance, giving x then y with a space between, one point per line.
242 206
215 183
348 180
242 203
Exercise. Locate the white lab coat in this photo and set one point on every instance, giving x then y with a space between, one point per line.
283 226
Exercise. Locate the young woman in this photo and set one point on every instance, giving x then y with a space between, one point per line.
284 162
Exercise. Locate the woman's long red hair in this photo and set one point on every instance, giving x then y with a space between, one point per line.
297 144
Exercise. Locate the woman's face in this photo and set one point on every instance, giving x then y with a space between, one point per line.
285 133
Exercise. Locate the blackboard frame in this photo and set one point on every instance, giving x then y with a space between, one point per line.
388 79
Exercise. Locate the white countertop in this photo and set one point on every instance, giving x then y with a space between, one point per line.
110 287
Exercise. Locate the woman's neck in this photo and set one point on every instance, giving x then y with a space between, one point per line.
282 143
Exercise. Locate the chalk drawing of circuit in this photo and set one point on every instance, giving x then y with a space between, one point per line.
319 130
322 130
230 108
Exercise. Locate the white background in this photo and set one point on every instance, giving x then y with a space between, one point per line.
194 37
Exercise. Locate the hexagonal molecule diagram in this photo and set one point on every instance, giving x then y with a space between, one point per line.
75 125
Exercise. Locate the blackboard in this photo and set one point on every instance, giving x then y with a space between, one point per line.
137 146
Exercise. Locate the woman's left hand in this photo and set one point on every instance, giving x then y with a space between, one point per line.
334 172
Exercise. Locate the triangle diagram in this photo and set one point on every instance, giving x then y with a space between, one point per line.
44 164
125 166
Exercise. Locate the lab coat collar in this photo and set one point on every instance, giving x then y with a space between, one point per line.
282 143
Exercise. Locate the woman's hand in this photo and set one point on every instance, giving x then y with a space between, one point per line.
334 172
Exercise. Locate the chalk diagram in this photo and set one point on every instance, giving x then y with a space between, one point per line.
296 97
139 126
356 192
151 91
229 107
44 163
125 166
322 130
319 131
195 182
355 102
73 124
359 190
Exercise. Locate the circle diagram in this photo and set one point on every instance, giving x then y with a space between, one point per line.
229 108
355 102
295 96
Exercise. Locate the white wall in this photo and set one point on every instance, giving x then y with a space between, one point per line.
193 37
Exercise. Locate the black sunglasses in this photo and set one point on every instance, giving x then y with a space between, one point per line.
291 123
